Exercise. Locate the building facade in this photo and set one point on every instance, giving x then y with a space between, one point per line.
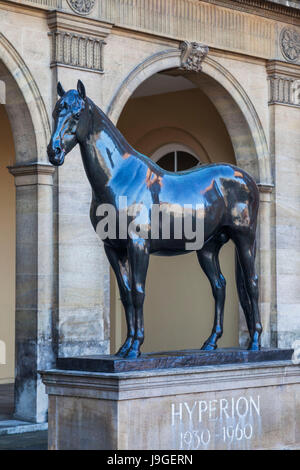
187 82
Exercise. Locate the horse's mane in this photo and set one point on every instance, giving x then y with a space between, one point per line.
122 143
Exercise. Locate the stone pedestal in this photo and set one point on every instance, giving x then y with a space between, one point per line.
241 406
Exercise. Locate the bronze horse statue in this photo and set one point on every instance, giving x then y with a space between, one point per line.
228 195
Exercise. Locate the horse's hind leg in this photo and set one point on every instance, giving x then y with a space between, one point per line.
245 245
243 294
119 263
208 258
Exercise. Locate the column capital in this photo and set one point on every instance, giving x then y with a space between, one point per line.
265 187
265 190
284 83
77 42
32 173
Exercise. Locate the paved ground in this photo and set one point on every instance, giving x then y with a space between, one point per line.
6 401
26 441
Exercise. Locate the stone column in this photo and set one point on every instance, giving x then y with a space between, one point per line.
83 272
284 109
35 308
264 254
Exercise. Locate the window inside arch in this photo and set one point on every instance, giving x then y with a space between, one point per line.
178 161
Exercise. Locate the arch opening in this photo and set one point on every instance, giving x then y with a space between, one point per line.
25 106
25 146
7 247
7 267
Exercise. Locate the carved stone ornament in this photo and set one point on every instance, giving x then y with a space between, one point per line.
193 54
290 44
83 7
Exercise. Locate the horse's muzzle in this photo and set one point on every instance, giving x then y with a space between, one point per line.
56 156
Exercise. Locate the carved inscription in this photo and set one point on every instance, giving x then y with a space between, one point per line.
229 422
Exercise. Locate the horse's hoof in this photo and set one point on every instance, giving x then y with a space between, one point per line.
254 347
208 347
123 351
133 354
134 351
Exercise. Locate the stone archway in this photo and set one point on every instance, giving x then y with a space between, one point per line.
20 80
225 92
35 311
246 133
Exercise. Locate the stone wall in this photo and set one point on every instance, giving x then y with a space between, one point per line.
287 186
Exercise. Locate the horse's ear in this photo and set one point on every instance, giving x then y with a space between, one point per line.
60 90
81 89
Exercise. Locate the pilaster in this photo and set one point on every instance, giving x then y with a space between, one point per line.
284 83
35 306
83 271
284 117
266 287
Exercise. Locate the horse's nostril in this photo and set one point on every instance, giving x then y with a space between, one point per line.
57 150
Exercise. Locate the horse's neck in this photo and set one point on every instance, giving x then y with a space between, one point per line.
104 153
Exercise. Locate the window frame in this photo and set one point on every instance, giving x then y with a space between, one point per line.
173 148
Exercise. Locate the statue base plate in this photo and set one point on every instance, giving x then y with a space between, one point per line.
171 359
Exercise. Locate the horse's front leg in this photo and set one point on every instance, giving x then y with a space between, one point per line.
138 256
119 262
209 261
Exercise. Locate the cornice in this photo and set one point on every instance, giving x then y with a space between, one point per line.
159 383
278 10
280 68
23 8
59 20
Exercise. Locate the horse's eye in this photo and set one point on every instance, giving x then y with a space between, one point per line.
62 107
77 115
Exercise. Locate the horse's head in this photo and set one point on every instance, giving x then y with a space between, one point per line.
67 116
